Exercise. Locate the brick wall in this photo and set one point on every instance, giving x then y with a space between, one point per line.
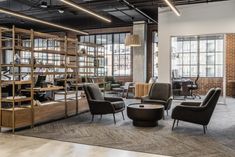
230 63
207 83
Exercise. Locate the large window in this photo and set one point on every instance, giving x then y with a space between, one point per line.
117 55
197 55
106 41
155 53
121 56
45 58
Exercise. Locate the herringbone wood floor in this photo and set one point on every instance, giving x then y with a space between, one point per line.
186 140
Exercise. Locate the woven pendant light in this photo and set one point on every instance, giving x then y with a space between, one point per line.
132 40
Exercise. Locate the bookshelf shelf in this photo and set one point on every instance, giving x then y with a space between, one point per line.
16 99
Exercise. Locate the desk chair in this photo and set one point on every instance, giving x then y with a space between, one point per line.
192 87
43 96
177 89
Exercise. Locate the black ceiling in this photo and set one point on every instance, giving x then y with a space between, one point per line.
116 10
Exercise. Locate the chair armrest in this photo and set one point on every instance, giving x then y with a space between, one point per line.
100 102
118 82
189 108
101 106
113 99
190 103
194 114
144 98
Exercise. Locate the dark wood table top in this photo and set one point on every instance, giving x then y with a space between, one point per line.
145 106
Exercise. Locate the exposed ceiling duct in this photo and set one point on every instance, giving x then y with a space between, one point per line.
138 10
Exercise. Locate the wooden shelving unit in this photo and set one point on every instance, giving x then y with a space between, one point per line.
25 54
91 62
100 62
11 46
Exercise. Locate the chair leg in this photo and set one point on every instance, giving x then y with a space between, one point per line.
123 93
163 115
204 129
123 116
92 118
127 94
197 95
177 124
191 94
167 112
173 125
114 118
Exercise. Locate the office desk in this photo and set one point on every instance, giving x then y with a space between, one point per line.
44 89
47 90
53 88
183 82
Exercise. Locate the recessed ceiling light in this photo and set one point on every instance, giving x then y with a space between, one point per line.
173 8
74 5
61 11
29 18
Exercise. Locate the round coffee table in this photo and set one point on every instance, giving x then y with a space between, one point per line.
145 115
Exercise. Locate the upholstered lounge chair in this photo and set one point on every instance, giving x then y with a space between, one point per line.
100 105
160 93
112 83
197 112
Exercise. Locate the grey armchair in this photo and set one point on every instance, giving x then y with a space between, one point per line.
197 112
100 105
159 93
112 83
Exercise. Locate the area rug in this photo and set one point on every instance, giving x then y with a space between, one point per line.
186 140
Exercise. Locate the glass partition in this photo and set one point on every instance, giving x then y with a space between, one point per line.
193 56
197 64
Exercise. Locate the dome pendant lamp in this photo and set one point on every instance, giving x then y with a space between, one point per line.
132 40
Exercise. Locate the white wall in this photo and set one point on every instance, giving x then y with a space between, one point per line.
199 19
